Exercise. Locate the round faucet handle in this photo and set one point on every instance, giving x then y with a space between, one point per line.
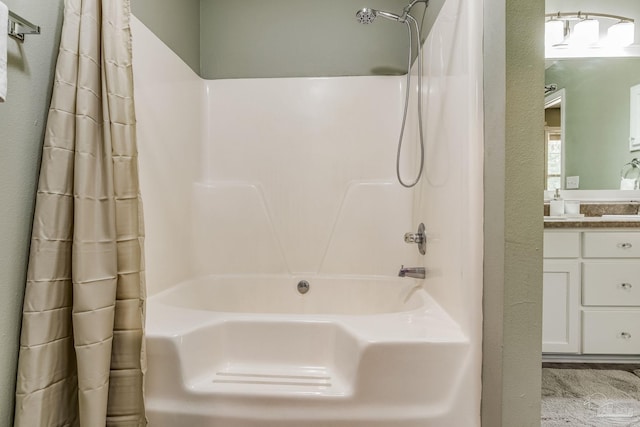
409 237
420 238
413 238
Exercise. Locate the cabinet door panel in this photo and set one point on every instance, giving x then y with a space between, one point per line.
561 307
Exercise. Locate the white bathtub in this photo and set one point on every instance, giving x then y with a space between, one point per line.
252 351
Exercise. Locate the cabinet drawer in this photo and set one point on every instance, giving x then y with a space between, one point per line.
561 244
611 283
610 332
611 245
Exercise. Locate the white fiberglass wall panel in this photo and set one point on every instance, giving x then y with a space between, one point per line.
169 114
317 151
449 197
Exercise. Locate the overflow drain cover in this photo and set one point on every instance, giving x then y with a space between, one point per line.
303 286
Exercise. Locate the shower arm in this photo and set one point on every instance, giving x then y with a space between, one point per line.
408 7
391 16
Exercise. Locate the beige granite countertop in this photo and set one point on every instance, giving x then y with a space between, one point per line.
591 222
593 216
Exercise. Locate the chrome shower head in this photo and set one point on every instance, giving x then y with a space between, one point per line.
368 15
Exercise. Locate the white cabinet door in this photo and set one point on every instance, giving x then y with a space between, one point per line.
561 306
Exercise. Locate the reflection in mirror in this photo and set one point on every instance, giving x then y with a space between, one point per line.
553 139
596 142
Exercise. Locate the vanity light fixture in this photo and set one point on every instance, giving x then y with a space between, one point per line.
621 34
554 32
582 29
586 32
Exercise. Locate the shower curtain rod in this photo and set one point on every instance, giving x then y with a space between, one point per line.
18 27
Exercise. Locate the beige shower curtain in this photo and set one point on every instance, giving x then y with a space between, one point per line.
82 350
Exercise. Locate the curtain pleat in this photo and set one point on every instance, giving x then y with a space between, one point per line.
82 352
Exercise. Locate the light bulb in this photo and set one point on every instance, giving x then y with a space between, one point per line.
621 34
586 32
553 32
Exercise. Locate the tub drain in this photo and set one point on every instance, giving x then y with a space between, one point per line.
303 286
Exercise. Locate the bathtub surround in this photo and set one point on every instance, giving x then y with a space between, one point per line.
167 245
310 207
81 349
22 119
295 178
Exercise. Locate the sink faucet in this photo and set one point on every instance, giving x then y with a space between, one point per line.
415 272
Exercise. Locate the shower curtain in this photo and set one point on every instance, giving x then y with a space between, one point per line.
81 359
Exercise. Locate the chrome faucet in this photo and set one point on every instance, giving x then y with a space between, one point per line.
415 272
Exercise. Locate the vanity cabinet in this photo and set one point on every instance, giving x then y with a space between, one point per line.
591 285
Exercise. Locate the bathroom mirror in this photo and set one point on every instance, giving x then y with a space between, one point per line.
596 110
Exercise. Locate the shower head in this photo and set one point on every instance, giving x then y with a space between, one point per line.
365 16
368 15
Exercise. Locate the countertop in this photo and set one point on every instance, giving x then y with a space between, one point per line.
591 222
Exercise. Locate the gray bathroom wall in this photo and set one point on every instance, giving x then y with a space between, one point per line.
303 38
176 23
22 120
513 181
283 38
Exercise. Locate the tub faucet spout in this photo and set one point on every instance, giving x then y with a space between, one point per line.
415 272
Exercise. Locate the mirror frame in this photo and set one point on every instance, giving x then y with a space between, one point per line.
586 195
